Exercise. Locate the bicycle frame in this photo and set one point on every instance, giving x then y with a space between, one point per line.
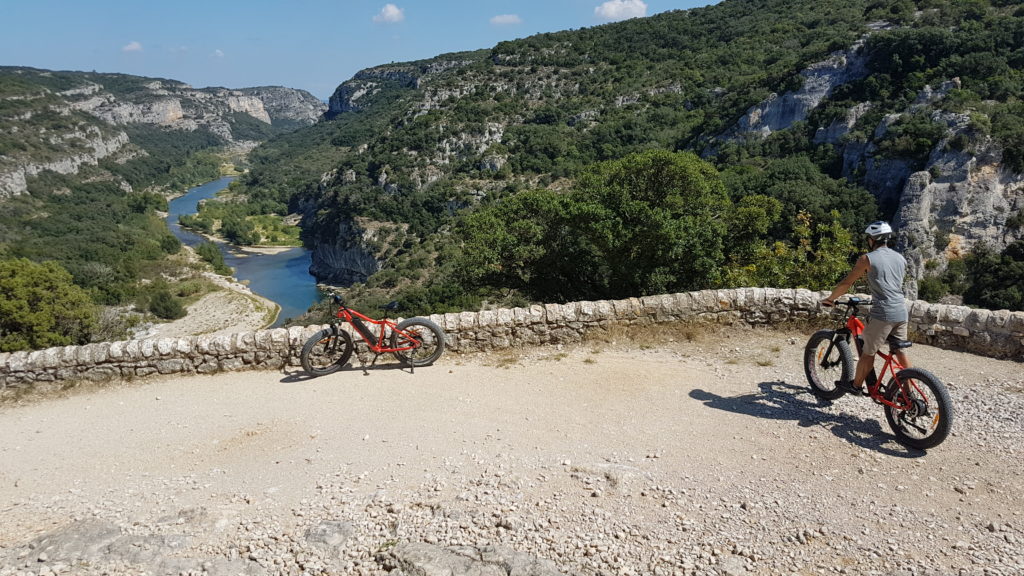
377 342
854 327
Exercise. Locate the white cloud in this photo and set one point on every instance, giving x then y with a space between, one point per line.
132 46
390 14
506 19
621 9
218 53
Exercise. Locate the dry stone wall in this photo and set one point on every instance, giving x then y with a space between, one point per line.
998 334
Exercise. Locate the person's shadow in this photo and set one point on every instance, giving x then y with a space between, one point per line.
783 401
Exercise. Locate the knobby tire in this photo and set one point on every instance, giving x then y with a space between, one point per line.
429 336
326 352
822 372
929 419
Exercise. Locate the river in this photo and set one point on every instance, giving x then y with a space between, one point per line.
283 277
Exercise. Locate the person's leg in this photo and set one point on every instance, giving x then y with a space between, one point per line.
900 333
864 365
874 336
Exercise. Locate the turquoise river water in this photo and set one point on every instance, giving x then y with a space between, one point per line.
283 278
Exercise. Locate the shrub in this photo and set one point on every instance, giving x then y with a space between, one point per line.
166 306
40 307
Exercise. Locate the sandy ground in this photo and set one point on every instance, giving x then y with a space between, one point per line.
717 422
233 309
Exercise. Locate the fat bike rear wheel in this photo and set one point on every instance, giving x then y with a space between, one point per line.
923 415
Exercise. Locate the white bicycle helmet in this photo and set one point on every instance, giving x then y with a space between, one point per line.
879 230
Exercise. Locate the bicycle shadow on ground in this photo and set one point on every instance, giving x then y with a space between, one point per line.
782 401
293 374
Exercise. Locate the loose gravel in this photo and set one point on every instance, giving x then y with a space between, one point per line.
701 454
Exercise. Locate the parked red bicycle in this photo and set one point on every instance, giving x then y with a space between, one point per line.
917 404
414 341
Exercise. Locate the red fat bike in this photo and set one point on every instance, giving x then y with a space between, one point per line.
414 341
916 403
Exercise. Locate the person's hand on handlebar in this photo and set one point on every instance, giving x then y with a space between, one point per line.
828 302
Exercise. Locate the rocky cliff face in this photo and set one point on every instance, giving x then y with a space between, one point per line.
346 258
348 97
959 199
182 107
72 119
819 80
956 201
288 104
355 93
964 199
13 176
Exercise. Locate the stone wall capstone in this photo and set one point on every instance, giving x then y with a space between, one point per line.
998 334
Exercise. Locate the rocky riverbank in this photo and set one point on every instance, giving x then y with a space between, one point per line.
233 309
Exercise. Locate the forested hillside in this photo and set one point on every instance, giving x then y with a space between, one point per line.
809 118
86 160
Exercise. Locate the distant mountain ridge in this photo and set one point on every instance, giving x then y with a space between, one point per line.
59 120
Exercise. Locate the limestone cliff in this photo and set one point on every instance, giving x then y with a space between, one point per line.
346 258
60 121
288 104
962 200
942 208
357 92
818 81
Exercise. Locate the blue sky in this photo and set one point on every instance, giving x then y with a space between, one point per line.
310 44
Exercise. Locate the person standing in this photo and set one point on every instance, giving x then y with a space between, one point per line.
885 269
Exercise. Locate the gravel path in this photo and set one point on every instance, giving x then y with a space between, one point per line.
704 456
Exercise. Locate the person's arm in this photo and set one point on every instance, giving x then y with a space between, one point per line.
859 269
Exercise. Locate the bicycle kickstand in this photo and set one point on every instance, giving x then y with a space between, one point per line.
366 372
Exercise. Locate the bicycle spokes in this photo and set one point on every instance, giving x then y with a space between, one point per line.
918 408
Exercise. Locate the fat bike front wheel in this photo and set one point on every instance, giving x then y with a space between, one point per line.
326 352
828 359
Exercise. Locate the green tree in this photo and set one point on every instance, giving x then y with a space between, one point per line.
649 223
815 257
748 223
996 280
209 252
40 307
239 231
652 222
164 305
506 245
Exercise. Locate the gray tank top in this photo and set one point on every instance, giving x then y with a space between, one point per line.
885 278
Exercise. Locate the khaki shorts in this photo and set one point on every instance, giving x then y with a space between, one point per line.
878 331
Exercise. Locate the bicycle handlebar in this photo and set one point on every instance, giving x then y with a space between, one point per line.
851 302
